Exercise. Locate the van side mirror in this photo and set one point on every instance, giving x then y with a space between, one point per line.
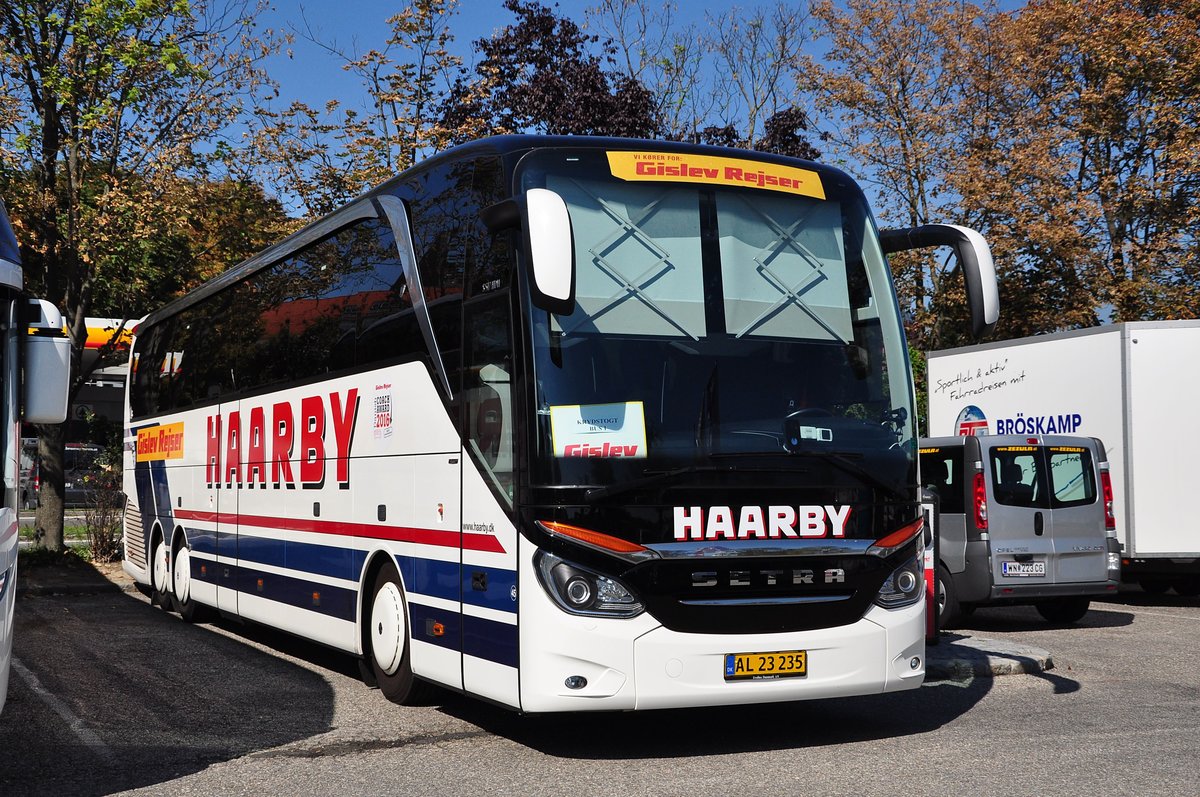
547 243
974 258
47 364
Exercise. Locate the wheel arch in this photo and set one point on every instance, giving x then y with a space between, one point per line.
376 560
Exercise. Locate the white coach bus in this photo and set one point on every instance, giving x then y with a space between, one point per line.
563 423
34 369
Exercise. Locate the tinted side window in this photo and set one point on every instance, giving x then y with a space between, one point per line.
942 471
1017 477
311 310
1072 476
150 369
445 213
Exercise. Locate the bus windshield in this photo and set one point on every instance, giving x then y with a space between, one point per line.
717 324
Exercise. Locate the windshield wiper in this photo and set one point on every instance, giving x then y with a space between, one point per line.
848 465
596 493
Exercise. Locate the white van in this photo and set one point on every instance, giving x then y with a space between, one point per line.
1023 520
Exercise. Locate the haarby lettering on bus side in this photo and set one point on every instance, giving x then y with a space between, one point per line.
240 457
808 522
157 443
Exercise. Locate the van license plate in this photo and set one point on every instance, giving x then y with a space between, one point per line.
1023 569
763 666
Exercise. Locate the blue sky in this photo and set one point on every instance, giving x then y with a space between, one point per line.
314 76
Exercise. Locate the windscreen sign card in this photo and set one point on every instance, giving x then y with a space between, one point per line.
599 430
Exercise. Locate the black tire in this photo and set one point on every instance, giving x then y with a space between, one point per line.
1154 586
1063 611
387 641
948 609
1187 586
160 575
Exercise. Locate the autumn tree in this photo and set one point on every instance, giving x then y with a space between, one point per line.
322 156
108 103
890 86
1089 162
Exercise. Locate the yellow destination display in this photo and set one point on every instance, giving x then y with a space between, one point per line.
668 167
160 442
761 666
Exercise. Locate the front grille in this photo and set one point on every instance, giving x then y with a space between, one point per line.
135 537
762 595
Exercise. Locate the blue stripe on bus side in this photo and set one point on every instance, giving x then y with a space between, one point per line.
500 593
431 577
423 619
332 601
323 560
480 637
488 639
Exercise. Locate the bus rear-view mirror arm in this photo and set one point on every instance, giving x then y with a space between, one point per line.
974 258
546 242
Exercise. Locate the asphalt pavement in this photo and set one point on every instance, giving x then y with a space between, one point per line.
955 655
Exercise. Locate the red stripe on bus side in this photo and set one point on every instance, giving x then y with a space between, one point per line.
446 539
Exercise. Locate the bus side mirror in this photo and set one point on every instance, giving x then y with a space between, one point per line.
47 364
548 245
974 258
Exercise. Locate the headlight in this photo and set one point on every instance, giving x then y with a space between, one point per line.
905 586
580 591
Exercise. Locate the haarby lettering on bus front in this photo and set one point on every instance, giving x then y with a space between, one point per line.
809 522
234 459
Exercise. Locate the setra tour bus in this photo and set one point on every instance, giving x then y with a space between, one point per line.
563 423
35 366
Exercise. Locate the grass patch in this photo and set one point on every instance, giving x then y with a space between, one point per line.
71 531
42 557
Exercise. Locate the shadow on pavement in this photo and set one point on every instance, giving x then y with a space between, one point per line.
680 733
151 698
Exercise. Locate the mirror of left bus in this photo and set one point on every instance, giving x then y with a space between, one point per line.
47 364
549 251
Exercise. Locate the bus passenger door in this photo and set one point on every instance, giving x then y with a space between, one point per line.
489 538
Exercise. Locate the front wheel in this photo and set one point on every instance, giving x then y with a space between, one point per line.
387 637
947 599
1062 611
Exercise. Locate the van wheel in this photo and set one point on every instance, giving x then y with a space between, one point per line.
947 600
1187 586
387 642
1061 611
1154 586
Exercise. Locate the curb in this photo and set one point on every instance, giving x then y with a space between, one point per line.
957 657
43 590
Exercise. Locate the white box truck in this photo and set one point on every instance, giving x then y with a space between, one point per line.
1133 385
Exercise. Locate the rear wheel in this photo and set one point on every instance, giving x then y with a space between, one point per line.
181 586
387 642
160 575
1063 610
947 599
1154 586
1187 586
